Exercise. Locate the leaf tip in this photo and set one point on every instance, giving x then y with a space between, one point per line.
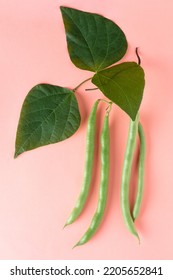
132 117
62 8
15 155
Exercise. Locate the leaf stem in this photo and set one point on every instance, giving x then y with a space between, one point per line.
108 102
139 59
74 90
88 89
108 109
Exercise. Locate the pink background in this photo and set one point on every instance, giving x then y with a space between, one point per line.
38 190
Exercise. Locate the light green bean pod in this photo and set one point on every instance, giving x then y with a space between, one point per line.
104 179
140 188
89 160
129 154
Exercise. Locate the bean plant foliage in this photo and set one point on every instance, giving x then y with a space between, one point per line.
50 113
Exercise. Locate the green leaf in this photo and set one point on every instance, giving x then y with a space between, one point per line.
49 114
94 42
123 84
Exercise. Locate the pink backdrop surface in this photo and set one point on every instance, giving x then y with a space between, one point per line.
38 189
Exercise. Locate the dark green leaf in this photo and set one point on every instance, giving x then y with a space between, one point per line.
94 42
124 85
49 114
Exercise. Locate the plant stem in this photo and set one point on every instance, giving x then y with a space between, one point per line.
88 89
81 84
108 102
139 59
108 109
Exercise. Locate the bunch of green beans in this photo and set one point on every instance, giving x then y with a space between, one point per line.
134 129
129 218
104 173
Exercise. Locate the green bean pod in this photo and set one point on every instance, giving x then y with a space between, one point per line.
104 178
140 187
89 160
129 154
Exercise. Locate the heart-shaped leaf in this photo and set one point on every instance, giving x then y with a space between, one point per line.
49 114
123 84
94 42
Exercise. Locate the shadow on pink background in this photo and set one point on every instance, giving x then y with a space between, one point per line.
38 190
